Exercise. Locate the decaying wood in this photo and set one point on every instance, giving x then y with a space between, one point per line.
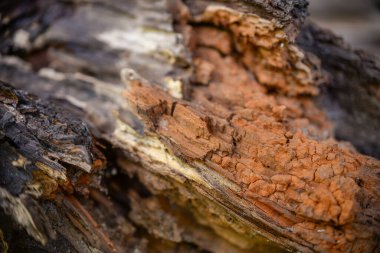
184 126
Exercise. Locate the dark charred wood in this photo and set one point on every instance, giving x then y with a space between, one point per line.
351 96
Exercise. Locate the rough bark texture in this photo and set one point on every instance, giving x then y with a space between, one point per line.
184 126
353 79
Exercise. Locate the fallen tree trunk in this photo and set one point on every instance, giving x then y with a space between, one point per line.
177 126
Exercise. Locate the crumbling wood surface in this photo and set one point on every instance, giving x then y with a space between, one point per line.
184 126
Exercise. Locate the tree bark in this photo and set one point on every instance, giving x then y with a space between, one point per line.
184 126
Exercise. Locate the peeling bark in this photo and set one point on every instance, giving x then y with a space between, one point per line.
184 126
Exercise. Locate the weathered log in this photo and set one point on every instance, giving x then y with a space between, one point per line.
216 130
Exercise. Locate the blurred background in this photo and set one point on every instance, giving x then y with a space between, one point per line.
357 21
